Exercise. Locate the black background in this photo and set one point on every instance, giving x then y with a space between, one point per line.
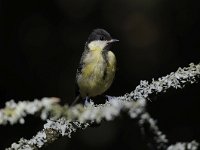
42 42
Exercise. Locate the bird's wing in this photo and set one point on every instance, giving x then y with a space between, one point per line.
79 70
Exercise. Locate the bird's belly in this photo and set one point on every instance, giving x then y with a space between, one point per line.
95 79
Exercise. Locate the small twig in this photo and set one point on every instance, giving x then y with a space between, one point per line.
154 137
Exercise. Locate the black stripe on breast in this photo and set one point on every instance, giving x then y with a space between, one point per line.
105 57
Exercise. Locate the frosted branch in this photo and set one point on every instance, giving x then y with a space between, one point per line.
154 137
184 146
133 103
52 131
178 79
15 112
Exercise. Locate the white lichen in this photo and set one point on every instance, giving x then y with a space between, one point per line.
149 124
134 103
15 112
184 146
176 80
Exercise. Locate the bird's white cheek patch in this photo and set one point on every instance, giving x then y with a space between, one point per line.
97 45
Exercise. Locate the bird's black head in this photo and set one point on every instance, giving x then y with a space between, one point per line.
99 39
99 34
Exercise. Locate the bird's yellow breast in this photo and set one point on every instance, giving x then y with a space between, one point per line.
97 73
94 64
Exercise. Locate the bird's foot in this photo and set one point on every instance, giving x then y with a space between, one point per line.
88 101
109 97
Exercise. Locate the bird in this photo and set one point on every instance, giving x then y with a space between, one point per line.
97 66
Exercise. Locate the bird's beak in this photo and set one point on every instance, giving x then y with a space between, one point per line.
113 40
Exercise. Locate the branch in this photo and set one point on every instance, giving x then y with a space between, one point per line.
184 146
154 137
178 79
15 112
115 105
53 129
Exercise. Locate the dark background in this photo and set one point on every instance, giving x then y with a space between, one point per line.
42 42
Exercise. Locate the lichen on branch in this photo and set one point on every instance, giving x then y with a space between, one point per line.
133 103
15 112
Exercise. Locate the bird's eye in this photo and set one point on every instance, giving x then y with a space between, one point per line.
101 38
